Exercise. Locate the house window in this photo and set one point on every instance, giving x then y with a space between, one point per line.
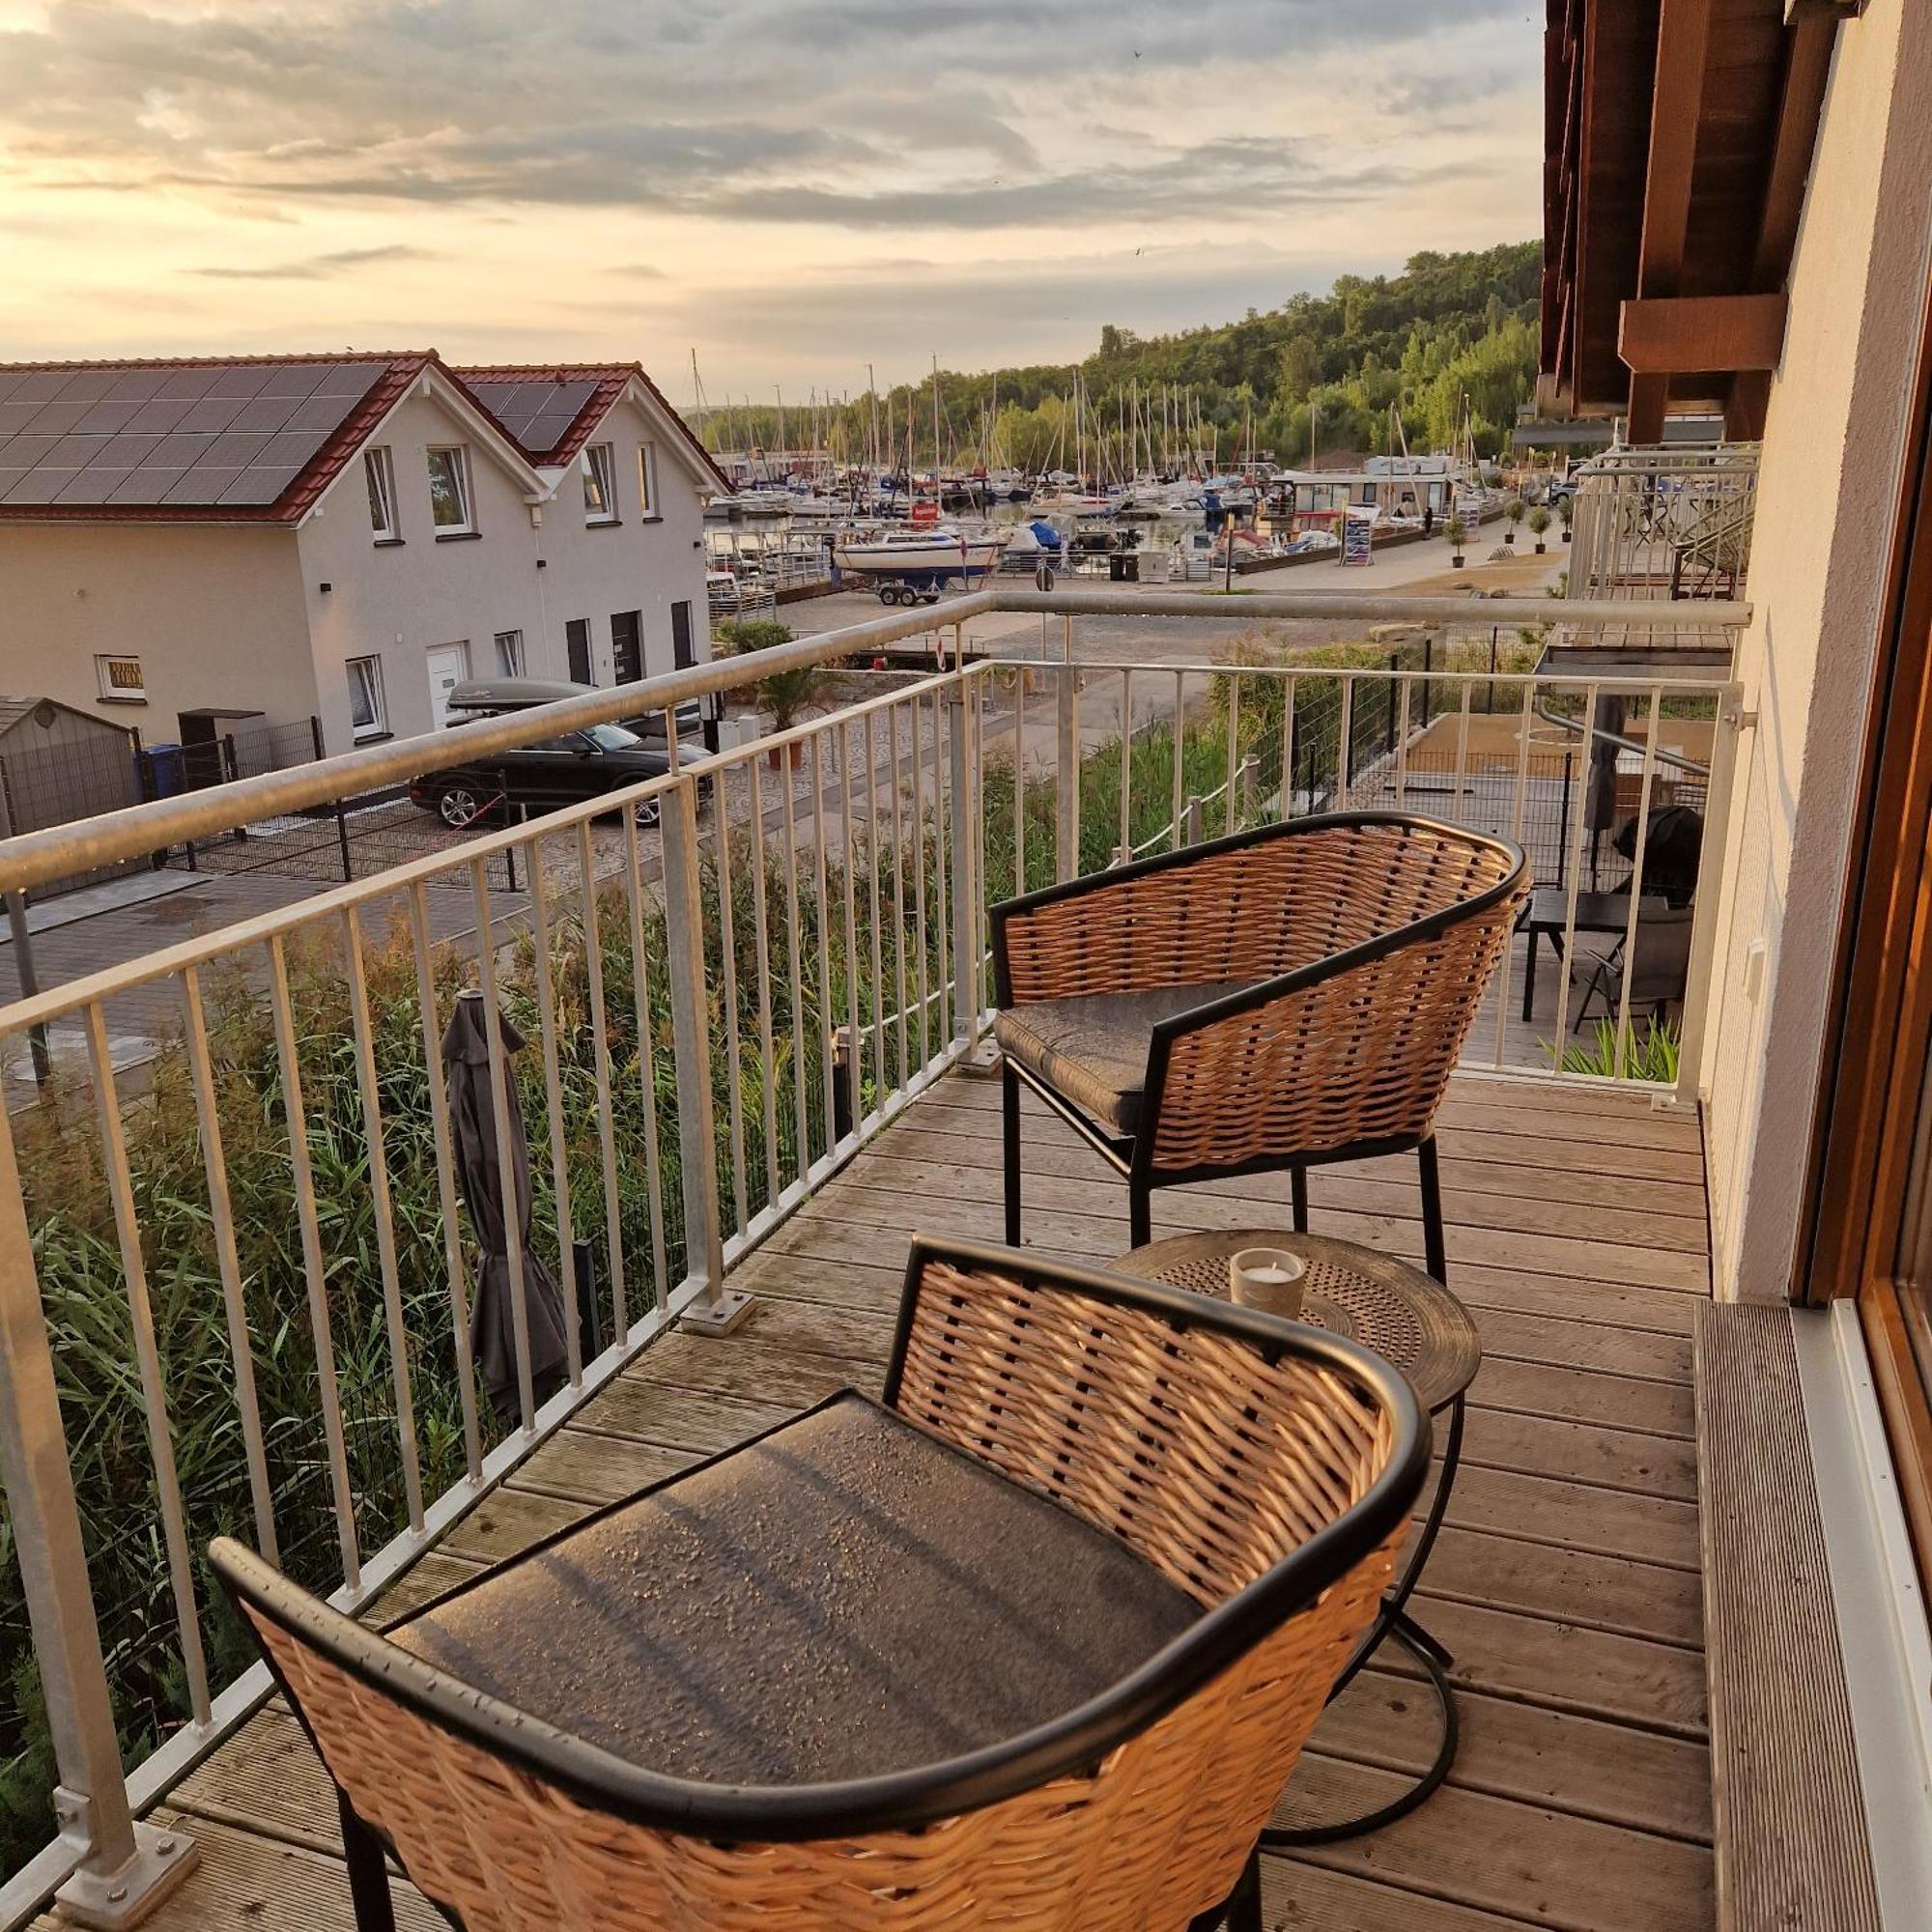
510 653
366 715
449 492
647 478
600 483
121 680
381 478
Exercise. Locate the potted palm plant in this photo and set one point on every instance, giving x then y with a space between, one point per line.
1457 533
786 695
1566 509
1512 516
1539 522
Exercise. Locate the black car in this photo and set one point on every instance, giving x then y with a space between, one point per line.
540 777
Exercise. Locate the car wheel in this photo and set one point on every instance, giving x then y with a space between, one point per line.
648 812
458 807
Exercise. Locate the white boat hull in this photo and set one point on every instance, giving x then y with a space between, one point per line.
958 557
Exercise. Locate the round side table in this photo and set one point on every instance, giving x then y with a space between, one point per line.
1415 1324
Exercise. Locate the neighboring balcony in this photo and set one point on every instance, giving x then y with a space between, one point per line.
237 1272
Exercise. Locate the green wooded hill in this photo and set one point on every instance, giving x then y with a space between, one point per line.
1447 326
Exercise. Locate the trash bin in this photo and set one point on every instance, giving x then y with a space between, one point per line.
1124 567
165 776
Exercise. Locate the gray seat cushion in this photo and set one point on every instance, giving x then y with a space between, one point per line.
842 1597
1094 1050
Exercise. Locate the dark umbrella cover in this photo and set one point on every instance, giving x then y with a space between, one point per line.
1600 803
473 1120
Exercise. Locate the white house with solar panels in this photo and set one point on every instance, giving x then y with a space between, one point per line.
339 537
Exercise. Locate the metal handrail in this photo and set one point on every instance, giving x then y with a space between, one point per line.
1581 728
34 857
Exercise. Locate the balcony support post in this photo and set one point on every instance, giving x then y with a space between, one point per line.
124 1869
712 1309
1710 855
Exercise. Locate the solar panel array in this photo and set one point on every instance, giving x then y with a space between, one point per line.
207 436
537 413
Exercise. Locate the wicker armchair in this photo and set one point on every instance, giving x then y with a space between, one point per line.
1280 999
1260 1474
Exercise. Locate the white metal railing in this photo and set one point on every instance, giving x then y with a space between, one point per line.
1670 522
269 1143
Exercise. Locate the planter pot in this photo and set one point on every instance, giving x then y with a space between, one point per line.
1541 547
786 755
1566 536
1456 563
1508 536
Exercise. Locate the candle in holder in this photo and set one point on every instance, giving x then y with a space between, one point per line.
1270 1279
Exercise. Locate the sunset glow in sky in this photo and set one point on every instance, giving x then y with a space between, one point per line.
791 187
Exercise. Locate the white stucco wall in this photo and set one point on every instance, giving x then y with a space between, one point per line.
213 612
1832 450
401 601
640 563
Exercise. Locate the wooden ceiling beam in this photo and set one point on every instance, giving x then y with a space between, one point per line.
1676 107
1686 335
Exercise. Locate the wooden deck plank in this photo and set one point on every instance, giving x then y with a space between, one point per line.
1549 1867
676 1418
1582 1765
1582 1452
507 1520
580 1466
971 1138
1305 1898
857 1269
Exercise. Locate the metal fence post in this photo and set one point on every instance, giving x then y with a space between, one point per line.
1067 761
964 831
123 1867
716 1308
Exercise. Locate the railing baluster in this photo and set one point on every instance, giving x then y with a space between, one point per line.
919 963
1402 746
228 1263
794 948
1638 855
768 1065
1573 845
385 1222
1019 780
1175 828
881 1084
148 1357
943 703
1066 759
1462 750
446 1181
1288 746
1233 747
1523 726
314 1273
959 823
898 891
647 1075
1344 751
712 1308
506 1173
560 1150
728 945
825 1003
855 1034
600 1074
1125 841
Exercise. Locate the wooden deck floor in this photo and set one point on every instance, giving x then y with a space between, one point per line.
1566 1580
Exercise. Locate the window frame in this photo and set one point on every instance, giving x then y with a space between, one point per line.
466 500
379 473
122 694
379 724
513 660
647 482
597 464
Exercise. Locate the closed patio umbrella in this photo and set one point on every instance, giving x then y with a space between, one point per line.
473 1119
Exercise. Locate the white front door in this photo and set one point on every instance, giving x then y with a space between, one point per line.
448 666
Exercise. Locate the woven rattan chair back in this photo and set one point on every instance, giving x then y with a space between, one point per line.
1265 1470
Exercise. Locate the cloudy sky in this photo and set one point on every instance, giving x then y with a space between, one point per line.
791 187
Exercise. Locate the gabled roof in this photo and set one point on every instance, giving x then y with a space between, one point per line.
550 410
232 439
